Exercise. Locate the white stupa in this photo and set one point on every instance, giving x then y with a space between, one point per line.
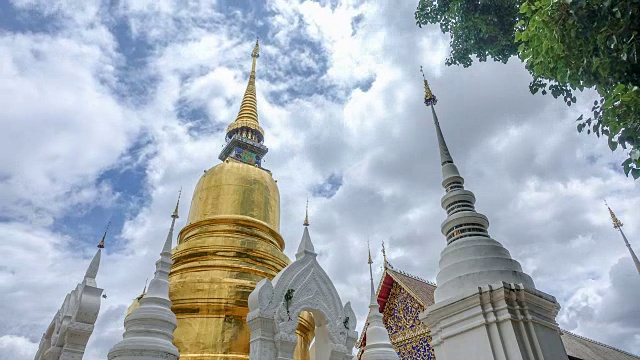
149 328
485 304
379 345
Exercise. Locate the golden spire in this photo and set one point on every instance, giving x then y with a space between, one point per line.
175 212
247 118
306 214
101 244
617 224
144 291
429 98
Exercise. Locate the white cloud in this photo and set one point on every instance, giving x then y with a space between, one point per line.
55 110
16 348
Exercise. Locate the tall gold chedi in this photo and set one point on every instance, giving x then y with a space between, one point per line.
231 241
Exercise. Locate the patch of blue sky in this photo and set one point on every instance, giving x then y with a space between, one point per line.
355 23
304 65
136 83
27 20
198 120
329 187
245 7
366 84
127 180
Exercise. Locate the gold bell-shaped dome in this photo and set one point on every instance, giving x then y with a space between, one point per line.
231 241
233 188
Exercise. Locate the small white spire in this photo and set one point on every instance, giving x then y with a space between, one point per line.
306 246
378 345
374 299
92 270
149 328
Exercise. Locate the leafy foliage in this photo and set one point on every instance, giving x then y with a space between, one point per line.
566 45
481 28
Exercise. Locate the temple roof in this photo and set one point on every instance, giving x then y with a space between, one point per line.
579 347
422 290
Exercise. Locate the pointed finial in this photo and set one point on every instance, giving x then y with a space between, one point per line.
384 254
306 214
101 244
617 224
429 98
373 292
255 53
144 291
175 212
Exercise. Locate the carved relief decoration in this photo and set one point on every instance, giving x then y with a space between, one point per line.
273 321
407 333
69 331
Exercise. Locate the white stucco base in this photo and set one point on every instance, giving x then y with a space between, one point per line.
504 321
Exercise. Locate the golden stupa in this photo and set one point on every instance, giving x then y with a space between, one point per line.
230 242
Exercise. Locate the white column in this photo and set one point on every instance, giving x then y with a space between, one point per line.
149 328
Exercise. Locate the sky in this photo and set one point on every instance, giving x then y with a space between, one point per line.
110 107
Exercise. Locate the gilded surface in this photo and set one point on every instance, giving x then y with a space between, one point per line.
233 188
230 243
305 334
408 334
248 114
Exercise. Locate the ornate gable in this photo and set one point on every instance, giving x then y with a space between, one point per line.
402 297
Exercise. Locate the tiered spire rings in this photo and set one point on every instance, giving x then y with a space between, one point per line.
466 232
246 122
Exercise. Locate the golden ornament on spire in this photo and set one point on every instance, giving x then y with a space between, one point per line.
246 122
256 51
104 236
306 214
429 98
175 212
617 224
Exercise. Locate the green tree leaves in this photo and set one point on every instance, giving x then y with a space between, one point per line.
566 45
